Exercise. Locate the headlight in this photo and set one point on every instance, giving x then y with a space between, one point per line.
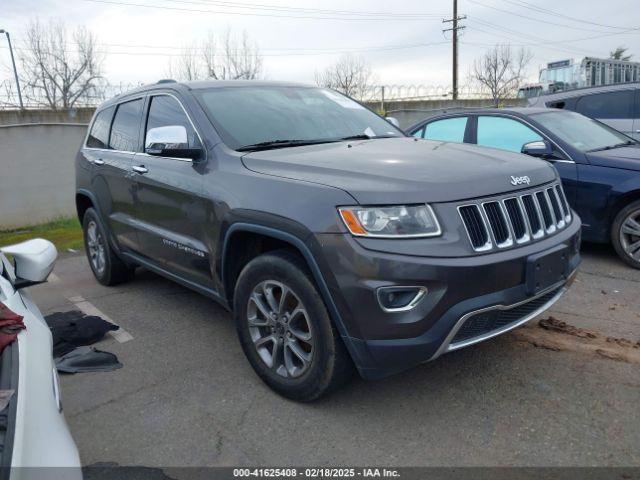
391 222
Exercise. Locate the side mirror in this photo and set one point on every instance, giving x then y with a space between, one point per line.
393 121
33 259
539 148
170 141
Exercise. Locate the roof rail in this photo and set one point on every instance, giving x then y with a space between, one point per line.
166 80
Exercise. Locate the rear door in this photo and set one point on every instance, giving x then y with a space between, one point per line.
111 144
169 199
616 109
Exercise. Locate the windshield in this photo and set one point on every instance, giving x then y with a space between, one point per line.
583 133
245 116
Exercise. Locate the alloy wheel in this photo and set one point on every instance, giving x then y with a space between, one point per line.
630 235
280 329
95 244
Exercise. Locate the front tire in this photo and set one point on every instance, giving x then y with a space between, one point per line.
106 266
625 234
285 330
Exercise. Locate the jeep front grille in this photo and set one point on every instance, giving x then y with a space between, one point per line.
514 220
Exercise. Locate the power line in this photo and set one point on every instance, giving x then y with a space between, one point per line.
255 14
546 11
262 6
165 54
546 22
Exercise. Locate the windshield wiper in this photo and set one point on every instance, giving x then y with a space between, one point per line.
364 136
610 147
278 144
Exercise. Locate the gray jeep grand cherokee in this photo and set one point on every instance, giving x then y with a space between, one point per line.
336 240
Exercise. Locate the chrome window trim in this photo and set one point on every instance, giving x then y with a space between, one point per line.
149 95
166 94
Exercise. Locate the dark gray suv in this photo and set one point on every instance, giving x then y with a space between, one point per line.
336 240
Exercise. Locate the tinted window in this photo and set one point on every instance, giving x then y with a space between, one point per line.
504 133
99 134
447 130
607 105
580 132
249 115
165 111
126 125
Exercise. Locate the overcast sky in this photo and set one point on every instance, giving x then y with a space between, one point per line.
402 40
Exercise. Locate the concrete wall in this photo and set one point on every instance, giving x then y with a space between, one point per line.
410 112
16 117
37 175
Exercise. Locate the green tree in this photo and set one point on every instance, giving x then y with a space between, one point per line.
619 54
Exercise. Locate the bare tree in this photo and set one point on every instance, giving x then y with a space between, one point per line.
222 58
350 75
186 66
501 71
60 69
619 54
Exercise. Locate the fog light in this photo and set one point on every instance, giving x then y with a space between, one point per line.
400 299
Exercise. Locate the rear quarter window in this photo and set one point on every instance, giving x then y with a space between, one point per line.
99 134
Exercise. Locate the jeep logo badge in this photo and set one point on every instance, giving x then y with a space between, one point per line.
520 180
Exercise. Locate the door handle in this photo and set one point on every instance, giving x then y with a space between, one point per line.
140 169
98 161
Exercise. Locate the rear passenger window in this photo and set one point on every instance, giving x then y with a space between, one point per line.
607 105
166 111
504 133
126 126
447 130
99 134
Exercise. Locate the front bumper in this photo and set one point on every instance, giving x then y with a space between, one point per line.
490 290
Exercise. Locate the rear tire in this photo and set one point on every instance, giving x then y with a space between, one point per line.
625 234
285 330
106 266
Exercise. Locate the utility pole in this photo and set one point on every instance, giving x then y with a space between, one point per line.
15 72
454 29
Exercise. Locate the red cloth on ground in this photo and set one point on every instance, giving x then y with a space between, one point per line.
10 325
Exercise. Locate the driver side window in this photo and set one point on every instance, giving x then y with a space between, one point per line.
504 133
165 111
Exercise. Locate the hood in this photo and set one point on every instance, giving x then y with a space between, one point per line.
623 157
394 170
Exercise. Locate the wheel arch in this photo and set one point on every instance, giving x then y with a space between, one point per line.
288 240
621 202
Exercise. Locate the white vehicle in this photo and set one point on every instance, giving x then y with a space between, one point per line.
36 432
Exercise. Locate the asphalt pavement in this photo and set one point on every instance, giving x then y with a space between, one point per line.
187 397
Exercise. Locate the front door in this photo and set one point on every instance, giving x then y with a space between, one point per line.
169 201
511 134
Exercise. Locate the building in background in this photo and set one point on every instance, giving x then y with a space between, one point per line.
589 72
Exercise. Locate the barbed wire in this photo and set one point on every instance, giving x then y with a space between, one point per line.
375 93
